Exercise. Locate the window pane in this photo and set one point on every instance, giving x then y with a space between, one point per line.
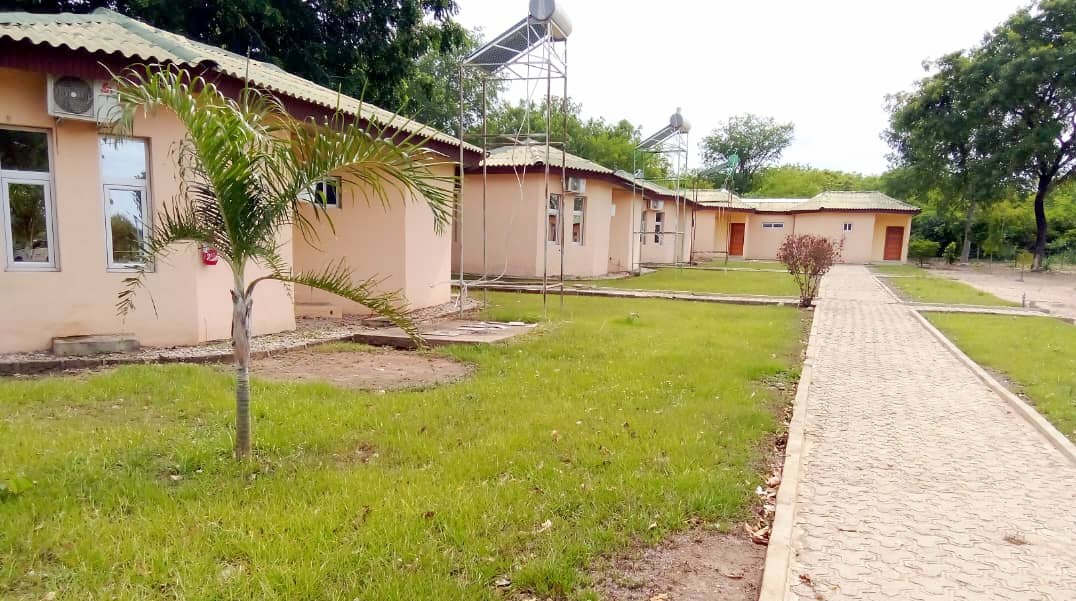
24 150
125 224
554 202
29 228
122 158
329 192
578 203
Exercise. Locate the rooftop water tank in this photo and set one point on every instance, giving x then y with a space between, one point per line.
678 123
548 11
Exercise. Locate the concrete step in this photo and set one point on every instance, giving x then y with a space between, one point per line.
94 344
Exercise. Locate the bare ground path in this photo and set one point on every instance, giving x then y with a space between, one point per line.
918 482
1054 291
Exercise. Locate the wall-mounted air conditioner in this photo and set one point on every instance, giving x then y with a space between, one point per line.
657 205
84 99
577 185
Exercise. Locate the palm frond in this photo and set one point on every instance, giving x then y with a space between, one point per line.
336 279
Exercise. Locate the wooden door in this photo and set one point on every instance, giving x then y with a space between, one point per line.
894 243
736 231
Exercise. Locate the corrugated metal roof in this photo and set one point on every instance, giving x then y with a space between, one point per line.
106 31
833 201
720 199
532 155
647 185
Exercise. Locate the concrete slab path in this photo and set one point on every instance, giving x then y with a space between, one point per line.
918 481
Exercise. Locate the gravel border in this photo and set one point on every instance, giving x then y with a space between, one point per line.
308 332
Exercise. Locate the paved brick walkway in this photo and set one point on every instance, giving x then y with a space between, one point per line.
919 482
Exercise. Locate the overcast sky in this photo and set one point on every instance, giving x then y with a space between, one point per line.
825 65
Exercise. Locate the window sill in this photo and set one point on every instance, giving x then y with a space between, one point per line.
128 269
16 268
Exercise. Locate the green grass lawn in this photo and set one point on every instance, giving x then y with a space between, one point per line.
744 264
919 285
699 280
620 422
907 269
1038 354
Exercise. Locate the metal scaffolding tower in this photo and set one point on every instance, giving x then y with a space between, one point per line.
534 50
670 142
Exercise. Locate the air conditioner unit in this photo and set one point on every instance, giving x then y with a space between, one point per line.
577 185
657 205
84 99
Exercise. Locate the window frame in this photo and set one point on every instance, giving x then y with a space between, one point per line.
847 227
553 232
337 182
773 225
46 178
127 184
582 215
659 227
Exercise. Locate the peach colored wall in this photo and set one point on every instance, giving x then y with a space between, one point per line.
396 244
591 258
514 224
762 243
884 220
79 297
705 243
624 245
857 243
516 220
665 251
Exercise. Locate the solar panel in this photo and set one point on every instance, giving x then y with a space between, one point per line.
507 48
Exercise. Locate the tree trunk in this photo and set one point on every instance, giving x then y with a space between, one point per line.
241 309
1040 225
965 252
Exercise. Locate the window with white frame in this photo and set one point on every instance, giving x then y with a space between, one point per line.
578 210
125 179
847 227
26 199
553 219
773 225
659 223
327 192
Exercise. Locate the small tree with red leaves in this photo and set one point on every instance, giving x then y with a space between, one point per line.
808 257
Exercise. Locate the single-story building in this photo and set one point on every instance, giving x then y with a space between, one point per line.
611 222
77 200
665 222
521 229
872 226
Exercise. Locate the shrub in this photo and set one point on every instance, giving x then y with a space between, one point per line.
951 253
923 250
808 257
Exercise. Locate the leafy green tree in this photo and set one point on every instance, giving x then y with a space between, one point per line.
802 181
937 131
1025 73
609 144
244 165
433 91
758 141
364 48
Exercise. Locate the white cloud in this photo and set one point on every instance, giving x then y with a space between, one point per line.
825 65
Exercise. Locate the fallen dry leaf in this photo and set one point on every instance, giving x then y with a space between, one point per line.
546 525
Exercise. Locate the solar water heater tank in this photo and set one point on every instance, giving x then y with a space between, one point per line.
553 13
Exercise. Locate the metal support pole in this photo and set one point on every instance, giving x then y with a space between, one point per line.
485 182
459 202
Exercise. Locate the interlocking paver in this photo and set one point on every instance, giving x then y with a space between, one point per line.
917 477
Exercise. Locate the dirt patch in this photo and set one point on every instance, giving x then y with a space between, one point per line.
1054 291
374 369
694 566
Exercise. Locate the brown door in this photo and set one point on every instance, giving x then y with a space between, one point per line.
736 239
894 243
